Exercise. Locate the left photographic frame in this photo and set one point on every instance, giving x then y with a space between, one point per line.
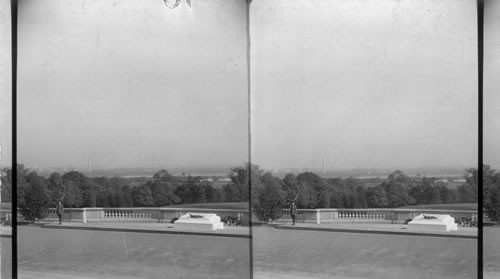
133 135
5 140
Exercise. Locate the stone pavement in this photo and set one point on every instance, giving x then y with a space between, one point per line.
159 228
244 232
396 229
5 231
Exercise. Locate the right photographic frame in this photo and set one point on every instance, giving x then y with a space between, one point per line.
491 140
364 147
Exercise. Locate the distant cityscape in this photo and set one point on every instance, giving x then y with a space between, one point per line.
222 171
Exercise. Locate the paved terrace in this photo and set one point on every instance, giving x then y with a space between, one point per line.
156 228
152 249
157 220
5 231
395 229
244 232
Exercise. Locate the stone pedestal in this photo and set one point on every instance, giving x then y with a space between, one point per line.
432 222
199 221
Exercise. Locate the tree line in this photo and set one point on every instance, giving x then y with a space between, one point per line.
309 190
36 193
269 193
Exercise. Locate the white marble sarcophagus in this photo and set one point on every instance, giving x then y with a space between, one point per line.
199 221
433 222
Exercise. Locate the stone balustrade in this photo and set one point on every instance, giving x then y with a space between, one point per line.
138 214
368 215
314 216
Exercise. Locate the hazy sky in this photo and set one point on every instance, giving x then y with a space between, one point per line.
5 85
491 109
387 83
132 83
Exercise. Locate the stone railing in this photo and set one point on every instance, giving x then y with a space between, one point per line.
314 216
368 215
139 214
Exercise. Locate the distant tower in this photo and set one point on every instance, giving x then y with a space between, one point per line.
89 165
324 168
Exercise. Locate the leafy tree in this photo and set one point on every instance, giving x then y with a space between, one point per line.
192 191
162 189
353 194
491 193
241 177
396 189
432 195
142 196
112 192
164 176
315 188
163 194
36 199
6 185
335 188
471 178
208 191
86 188
73 195
426 191
376 197
306 195
360 197
55 188
267 201
126 196
290 187
231 193
445 194
219 195
21 185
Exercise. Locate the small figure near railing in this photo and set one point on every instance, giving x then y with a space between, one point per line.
293 209
293 212
60 209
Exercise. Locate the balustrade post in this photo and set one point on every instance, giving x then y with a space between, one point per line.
84 215
335 215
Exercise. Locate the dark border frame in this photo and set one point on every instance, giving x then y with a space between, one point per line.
480 42
13 18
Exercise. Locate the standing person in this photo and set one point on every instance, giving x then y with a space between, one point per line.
59 211
293 211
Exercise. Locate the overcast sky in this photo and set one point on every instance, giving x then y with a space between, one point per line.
5 85
132 83
491 110
382 84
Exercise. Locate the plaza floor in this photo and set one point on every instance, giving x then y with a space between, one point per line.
156 250
158 228
5 231
394 229
491 252
45 252
297 253
240 231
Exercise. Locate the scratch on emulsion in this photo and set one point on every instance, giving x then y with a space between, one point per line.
124 245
